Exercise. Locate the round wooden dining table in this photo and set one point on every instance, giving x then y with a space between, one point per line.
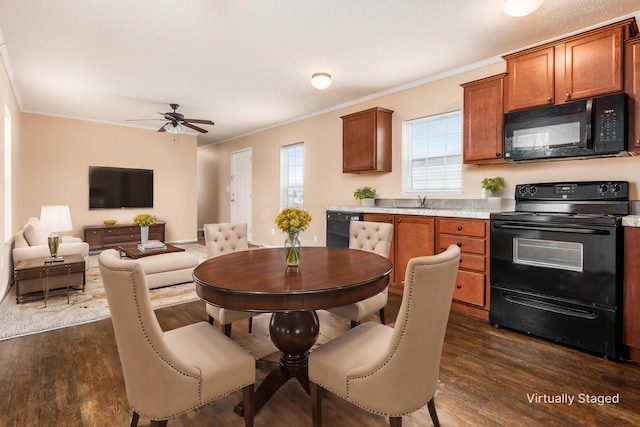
260 281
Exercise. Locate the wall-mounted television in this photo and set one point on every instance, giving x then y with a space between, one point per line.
115 188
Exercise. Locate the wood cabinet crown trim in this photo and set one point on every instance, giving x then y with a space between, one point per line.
629 23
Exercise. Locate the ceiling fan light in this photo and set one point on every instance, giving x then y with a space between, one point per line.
520 8
321 80
174 129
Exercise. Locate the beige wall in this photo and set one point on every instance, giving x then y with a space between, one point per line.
56 171
326 185
8 99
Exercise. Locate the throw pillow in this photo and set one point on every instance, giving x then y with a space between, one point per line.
33 236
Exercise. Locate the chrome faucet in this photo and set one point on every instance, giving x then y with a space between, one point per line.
423 201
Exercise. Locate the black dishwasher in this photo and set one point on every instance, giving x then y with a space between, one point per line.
338 227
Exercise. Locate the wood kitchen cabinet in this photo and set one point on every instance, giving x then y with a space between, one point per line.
366 141
631 293
471 294
632 87
483 120
581 66
417 235
413 236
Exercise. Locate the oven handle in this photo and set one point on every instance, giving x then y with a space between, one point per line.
540 305
547 228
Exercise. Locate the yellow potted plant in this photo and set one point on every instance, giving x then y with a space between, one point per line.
293 221
144 221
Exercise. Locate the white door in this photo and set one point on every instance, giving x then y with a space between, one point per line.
241 188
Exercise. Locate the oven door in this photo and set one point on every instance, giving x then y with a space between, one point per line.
564 260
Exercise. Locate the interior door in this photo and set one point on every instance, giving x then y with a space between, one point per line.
240 194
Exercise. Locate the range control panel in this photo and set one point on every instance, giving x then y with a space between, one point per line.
584 190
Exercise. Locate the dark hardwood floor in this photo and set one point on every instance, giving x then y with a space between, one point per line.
489 377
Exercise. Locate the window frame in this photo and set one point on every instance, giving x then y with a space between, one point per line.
408 157
285 171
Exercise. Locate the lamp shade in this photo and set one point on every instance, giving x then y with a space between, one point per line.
521 7
321 80
55 218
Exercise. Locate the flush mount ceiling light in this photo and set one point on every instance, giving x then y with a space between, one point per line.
519 8
321 80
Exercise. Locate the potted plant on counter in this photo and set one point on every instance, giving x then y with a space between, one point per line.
366 195
493 186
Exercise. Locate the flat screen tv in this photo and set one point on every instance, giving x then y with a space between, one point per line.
115 188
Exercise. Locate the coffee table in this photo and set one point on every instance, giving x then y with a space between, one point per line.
37 268
131 250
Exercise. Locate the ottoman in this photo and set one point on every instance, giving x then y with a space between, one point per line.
168 269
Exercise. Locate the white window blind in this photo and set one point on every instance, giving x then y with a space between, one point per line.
432 154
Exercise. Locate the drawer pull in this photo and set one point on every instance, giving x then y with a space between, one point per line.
459 286
459 228
459 245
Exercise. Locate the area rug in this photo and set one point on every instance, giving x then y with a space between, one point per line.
88 306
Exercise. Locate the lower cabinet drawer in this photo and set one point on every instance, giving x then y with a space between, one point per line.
115 240
473 262
466 244
469 288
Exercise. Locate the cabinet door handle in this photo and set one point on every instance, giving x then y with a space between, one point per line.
459 286
549 99
498 154
459 228
459 245
567 95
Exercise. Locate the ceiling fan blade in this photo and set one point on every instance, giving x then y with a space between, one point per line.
195 127
141 120
204 122
162 128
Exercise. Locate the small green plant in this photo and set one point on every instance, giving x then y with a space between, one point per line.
493 184
364 193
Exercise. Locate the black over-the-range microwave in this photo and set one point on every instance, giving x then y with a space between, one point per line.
588 127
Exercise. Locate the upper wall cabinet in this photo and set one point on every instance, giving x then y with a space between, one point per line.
483 120
632 78
366 141
581 66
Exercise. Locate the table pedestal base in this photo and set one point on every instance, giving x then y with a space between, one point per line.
294 333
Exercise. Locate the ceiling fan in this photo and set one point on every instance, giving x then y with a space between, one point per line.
176 122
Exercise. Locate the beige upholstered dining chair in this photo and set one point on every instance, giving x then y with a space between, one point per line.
169 373
221 239
392 371
373 237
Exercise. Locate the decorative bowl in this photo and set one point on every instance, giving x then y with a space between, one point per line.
109 221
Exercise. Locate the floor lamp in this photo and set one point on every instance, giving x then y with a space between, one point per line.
55 218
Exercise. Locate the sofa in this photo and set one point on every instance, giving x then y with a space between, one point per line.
168 269
31 243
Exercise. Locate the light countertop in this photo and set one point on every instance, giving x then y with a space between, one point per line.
459 213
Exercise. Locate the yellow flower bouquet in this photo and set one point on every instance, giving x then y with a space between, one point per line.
144 220
293 221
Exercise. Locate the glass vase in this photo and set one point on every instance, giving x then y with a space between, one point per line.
292 250
144 235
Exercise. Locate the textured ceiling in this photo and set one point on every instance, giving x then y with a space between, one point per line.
246 65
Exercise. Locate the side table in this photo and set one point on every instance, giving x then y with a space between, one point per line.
37 268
